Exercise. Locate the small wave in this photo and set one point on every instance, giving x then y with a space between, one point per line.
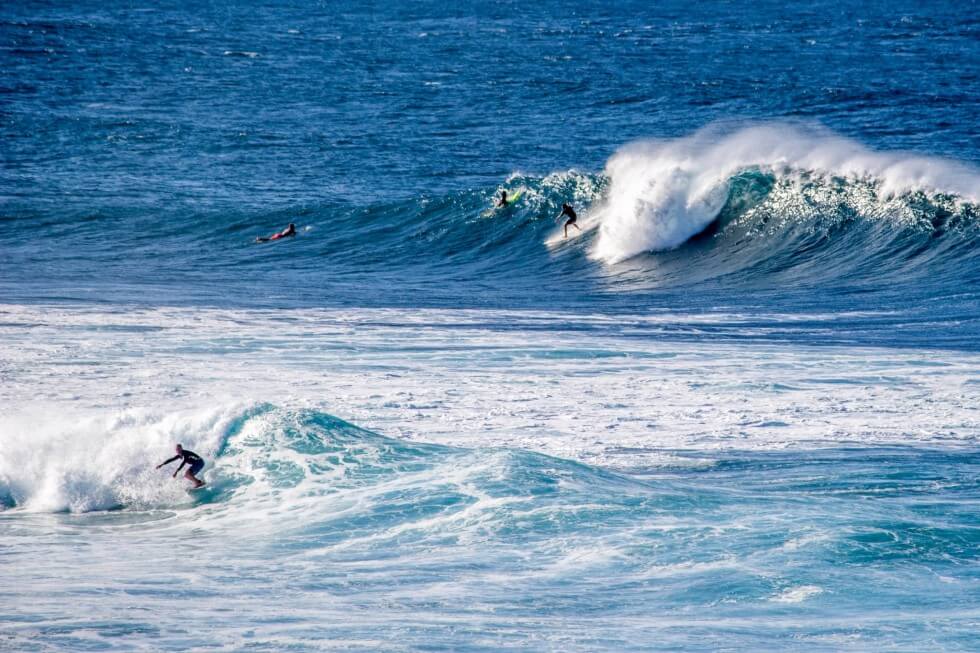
270 458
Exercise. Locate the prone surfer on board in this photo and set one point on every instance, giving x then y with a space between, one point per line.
566 209
187 457
285 233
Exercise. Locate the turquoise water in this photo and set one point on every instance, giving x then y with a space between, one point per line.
550 482
358 541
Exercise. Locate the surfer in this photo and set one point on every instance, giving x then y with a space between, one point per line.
187 457
566 209
502 202
285 233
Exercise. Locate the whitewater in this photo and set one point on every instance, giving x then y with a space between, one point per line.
633 488
662 194
737 411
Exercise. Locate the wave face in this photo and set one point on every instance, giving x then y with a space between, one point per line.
774 207
367 539
664 193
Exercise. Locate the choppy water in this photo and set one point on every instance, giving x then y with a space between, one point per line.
738 412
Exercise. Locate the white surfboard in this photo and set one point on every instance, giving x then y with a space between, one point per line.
585 224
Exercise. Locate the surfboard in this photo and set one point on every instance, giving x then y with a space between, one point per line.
585 224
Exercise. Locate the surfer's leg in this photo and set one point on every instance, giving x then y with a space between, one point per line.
190 474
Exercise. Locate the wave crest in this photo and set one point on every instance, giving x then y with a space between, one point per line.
662 193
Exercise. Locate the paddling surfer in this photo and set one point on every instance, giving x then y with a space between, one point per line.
187 457
285 233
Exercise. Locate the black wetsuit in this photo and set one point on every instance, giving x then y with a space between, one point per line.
189 458
570 212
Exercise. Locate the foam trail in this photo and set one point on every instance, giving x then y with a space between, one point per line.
664 192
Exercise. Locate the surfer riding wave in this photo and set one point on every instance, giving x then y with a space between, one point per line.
187 457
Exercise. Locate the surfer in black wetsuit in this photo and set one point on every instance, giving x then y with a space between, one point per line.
566 209
285 233
187 457
502 202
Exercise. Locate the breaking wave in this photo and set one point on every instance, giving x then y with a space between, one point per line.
772 205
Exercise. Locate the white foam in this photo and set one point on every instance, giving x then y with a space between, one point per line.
72 461
664 192
479 378
797 594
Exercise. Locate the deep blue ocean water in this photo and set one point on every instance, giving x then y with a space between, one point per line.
737 411
178 134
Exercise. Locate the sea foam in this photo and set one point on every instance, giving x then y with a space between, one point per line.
664 192
79 463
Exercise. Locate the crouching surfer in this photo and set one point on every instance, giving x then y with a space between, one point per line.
566 209
285 233
187 457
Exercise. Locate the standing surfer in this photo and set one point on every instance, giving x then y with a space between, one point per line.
187 457
502 202
285 233
566 209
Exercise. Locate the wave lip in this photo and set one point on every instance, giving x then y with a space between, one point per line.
662 193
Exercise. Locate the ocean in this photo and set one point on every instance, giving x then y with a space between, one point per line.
735 409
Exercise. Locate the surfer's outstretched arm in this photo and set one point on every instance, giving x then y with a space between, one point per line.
167 461
180 467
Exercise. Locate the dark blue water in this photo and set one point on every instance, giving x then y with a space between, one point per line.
144 149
